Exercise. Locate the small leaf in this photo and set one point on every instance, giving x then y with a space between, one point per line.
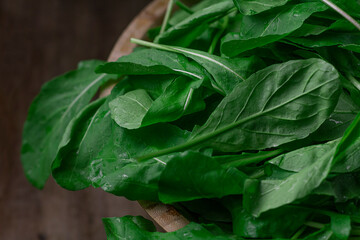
264 28
184 32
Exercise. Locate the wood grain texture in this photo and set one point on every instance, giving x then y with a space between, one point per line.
40 39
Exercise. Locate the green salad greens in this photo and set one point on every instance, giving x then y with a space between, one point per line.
243 114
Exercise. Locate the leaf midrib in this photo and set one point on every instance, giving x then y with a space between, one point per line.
206 137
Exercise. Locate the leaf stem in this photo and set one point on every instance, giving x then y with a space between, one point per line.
342 13
183 7
246 160
257 174
218 34
298 233
314 224
167 16
353 81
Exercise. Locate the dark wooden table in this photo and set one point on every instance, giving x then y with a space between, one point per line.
40 39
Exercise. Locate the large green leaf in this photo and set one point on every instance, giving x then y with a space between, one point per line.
261 196
137 109
139 228
51 111
261 29
184 32
251 7
276 105
192 175
96 151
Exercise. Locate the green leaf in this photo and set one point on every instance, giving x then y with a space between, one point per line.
252 7
346 186
335 126
350 6
339 26
81 143
276 105
347 40
184 32
299 159
324 234
264 28
278 223
180 14
98 152
136 108
153 62
192 175
51 111
272 193
226 73
129 109
139 228
348 150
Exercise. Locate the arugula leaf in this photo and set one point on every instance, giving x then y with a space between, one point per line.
264 28
139 228
306 89
184 32
346 186
151 62
136 108
208 179
335 126
348 150
306 82
278 223
299 159
226 73
100 153
271 194
346 40
51 111
252 7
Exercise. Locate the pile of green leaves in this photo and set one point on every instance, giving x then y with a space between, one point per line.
243 114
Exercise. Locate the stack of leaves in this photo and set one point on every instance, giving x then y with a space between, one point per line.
242 114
